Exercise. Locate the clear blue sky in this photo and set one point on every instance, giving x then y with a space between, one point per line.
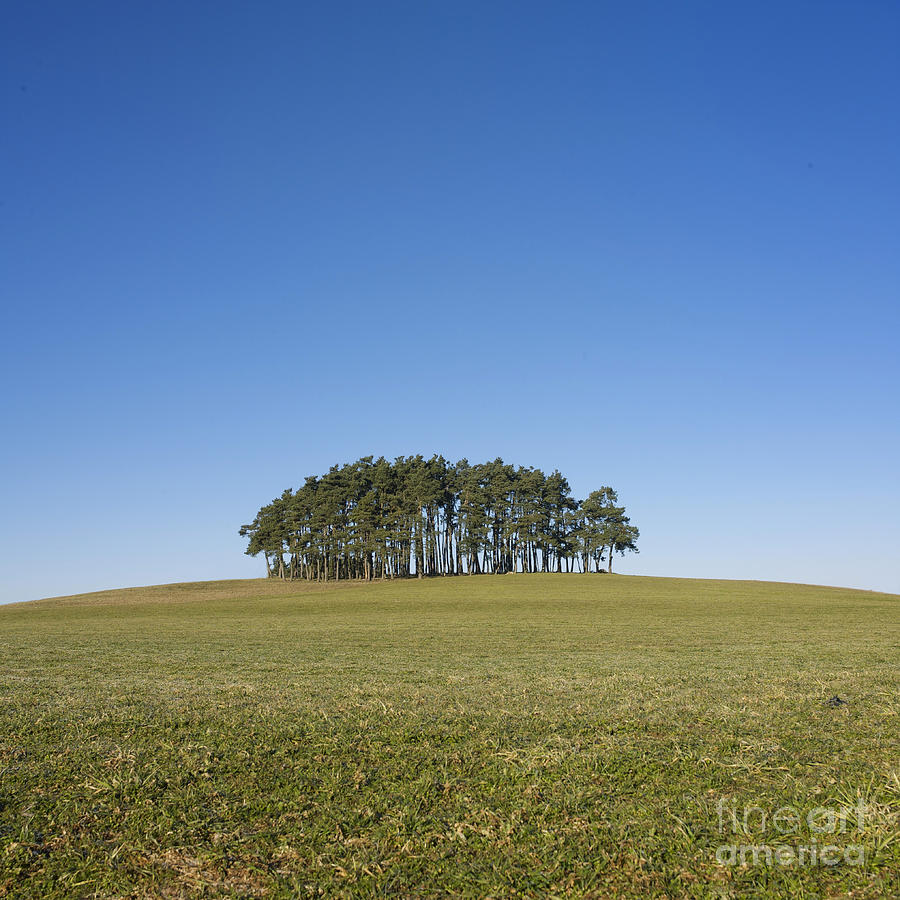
654 245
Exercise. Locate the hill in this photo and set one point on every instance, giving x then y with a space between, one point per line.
539 734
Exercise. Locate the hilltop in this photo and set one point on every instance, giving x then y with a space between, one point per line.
568 735
569 584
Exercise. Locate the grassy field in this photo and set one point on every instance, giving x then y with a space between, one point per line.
536 736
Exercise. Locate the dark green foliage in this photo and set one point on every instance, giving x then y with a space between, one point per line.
416 516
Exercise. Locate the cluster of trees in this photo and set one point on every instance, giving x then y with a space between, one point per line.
414 516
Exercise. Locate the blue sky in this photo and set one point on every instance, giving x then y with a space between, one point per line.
653 245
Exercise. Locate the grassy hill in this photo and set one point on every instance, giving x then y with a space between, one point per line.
540 735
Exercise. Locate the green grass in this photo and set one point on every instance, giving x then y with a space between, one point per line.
533 736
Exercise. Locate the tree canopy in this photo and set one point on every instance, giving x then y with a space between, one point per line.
415 517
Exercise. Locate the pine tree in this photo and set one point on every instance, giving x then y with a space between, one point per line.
381 519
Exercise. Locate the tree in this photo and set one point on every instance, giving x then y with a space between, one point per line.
376 518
